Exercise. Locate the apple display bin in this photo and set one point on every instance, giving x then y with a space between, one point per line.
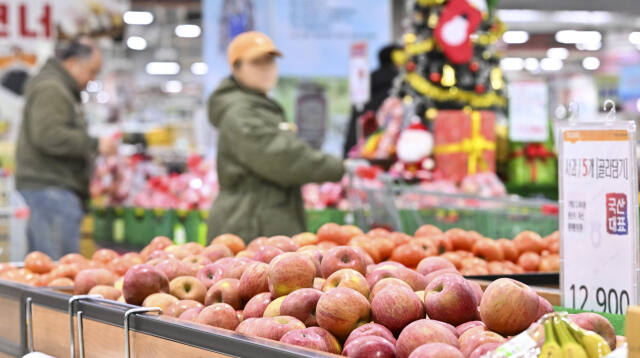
405 208
317 218
138 227
43 314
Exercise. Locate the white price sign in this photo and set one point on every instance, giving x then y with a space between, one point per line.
598 216
359 83
528 111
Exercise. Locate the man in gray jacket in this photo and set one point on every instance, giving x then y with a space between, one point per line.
54 153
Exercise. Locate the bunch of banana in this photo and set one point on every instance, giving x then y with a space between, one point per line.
563 339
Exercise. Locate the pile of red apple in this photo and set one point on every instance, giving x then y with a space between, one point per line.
311 290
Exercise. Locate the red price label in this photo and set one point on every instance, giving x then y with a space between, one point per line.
26 20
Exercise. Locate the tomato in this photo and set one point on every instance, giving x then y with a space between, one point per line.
460 239
529 261
104 255
427 230
410 254
399 238
549 263
509 250
488 249
528 241
367 244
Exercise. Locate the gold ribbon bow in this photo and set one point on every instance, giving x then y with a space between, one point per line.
474 146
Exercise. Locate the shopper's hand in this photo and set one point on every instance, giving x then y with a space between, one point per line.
108 146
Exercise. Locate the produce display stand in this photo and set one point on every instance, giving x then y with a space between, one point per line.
403 207
39 319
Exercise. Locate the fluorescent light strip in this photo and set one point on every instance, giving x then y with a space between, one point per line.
163 68
515 37
188 31
138 17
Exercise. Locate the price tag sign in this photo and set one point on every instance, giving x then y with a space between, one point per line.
359 85
598 216
528 117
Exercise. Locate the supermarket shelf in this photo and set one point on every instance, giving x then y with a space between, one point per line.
104 334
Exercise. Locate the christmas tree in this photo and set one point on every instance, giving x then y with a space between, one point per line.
450 59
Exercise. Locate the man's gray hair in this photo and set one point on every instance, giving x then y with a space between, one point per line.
80 48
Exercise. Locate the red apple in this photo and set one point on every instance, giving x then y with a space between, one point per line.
273 308
422 332
315 256
270 327
284 243
468 325
414 279
188 288
386 282
434 263
87 279
318 283
141 281
104 255
468 346
234 267
160 255
544 307
266 253
596 323
369 346
177 308
436 350
120 265
108 292
178 251
433 275
450 298
210 274
396 307
301 304
226 291
347 278
197 260
341 257
219 315
508 307
477 289
254 280
173 268
290 271
314 338
214 252
371 329
485 348
255 306
159 299
190 314
193 247
341 310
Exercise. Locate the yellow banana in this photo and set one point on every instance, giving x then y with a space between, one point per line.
570 347
593 343
550 348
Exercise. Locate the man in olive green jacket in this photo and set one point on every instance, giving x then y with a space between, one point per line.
54 152
261 163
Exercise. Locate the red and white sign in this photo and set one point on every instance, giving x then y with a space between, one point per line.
26 20
359 86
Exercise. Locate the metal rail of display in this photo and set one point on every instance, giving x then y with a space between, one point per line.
22 305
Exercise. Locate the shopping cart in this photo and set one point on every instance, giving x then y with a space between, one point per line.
14 214
378 200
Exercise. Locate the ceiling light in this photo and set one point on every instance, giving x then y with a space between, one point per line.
172 86
589 46
551 64
560 53
575 36
512 64
199 68
136 43
163 68
590 63
188 31
94 86
634 37
137 17
515 37
531 64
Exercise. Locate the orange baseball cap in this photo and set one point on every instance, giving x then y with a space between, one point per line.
249 45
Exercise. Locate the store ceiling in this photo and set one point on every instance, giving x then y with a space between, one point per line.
622 6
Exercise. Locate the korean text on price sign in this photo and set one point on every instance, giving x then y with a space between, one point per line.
598 216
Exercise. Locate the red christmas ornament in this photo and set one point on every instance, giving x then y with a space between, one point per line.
480 88
435 76
457 22
474 67
411 66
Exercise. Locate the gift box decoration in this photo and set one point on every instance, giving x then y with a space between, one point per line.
533 163
465 143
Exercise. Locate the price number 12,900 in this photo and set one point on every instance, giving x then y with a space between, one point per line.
611 301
